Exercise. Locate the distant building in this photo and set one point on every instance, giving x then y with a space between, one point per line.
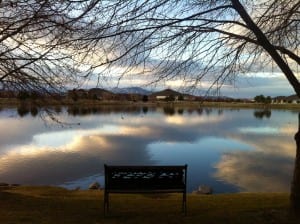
161 97
294 99
165 95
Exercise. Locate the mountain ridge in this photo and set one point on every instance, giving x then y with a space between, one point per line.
131 90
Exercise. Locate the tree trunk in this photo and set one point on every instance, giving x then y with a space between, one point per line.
265 43
295 187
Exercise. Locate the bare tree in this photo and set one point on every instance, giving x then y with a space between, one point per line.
46 43
34 40
195 40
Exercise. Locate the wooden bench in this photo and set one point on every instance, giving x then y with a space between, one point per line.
145 179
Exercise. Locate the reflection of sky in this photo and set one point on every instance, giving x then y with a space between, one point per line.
199 156
260 130
60 138
230 150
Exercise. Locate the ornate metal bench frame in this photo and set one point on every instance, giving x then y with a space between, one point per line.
145 179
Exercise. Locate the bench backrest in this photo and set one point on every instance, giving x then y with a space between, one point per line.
148 178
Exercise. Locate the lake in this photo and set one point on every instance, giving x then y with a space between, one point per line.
231 150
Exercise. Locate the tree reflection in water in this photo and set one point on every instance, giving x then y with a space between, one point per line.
295 187
260 114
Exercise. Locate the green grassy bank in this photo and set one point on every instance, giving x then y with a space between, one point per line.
57 205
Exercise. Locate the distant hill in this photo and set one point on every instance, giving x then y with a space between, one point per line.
131 90
99 90
167 92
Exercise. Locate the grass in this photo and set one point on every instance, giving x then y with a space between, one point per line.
45 205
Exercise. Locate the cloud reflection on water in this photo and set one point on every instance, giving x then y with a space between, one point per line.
53 156
56 155
268 168
82 157
256 171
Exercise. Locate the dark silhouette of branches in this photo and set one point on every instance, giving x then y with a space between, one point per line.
193 40
46 44
34 40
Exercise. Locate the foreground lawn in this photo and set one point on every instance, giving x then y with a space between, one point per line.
57 205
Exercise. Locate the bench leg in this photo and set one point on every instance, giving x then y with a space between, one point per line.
106 203
184 210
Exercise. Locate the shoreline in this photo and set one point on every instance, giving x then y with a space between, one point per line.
13 102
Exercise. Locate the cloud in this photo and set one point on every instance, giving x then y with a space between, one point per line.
261 83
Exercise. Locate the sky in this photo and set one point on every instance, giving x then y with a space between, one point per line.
255 84
244 86
173 55
169 49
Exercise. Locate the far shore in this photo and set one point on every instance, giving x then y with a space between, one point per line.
13 102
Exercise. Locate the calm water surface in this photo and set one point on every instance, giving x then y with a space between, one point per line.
229 150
